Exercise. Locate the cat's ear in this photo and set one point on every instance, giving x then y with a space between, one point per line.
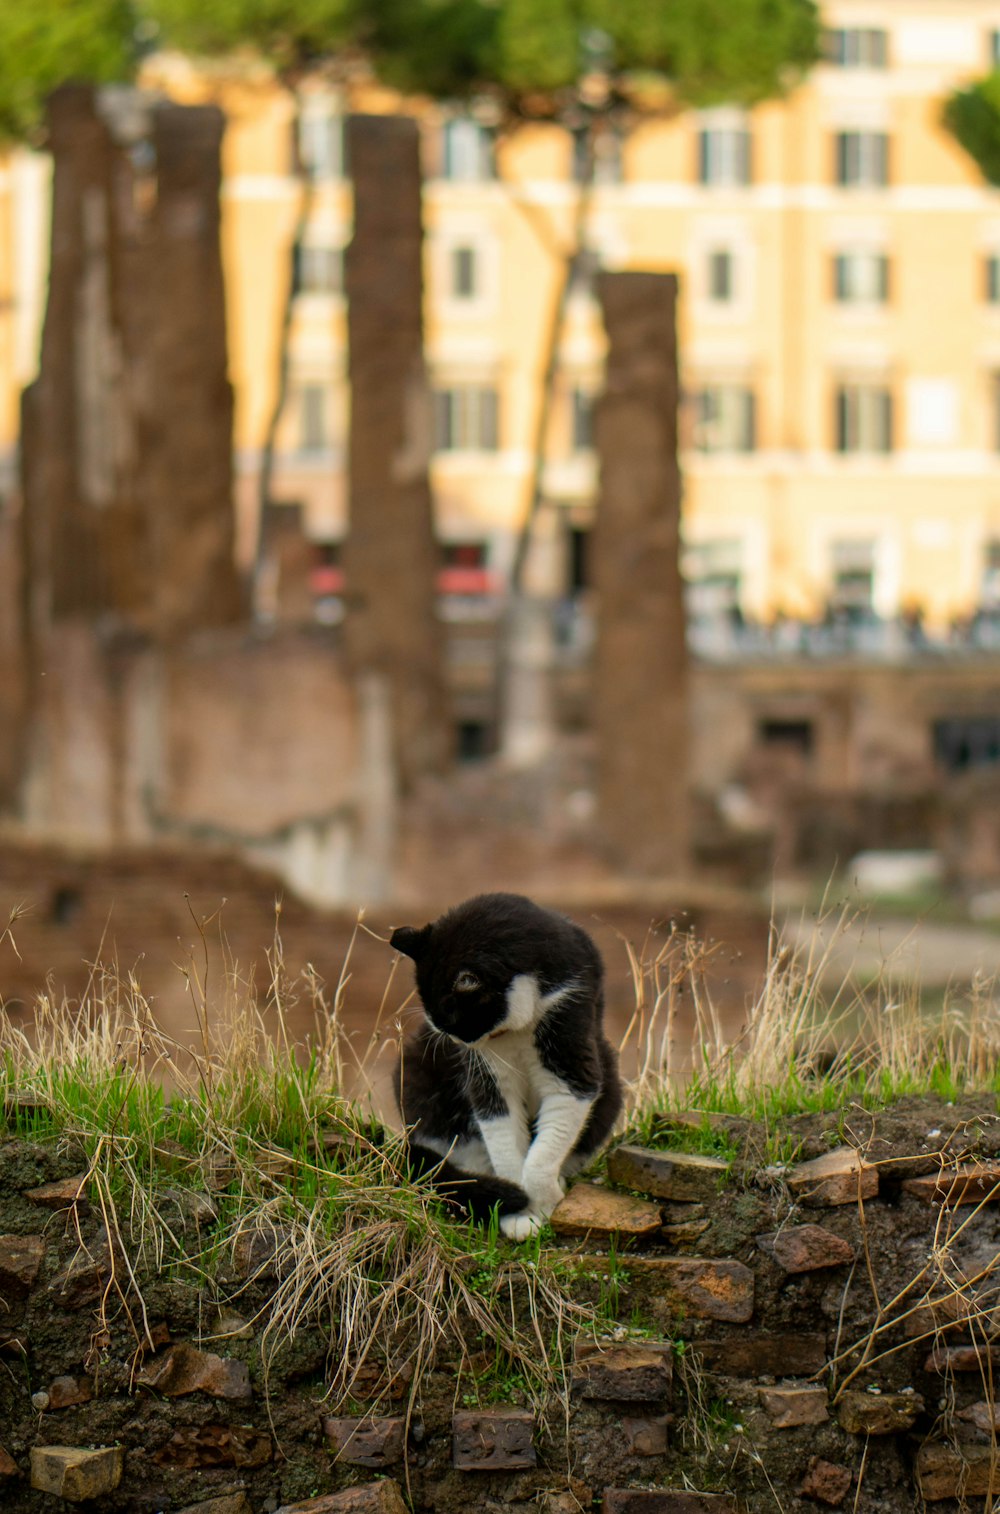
410 940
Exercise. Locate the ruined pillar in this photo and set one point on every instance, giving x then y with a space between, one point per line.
187 426
391 557
641 678
127 432
81 516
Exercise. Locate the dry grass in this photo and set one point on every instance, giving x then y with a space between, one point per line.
291 1165
372 1261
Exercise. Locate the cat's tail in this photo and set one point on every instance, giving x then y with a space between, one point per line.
476 1195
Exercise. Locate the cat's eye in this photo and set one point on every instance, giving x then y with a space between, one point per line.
466 983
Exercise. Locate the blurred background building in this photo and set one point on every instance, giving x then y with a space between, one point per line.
840 259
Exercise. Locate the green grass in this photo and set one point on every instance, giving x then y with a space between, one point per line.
266 1130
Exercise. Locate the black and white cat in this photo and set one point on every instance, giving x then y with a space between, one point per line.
510 1086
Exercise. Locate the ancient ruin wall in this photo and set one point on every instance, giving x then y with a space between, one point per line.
803 1337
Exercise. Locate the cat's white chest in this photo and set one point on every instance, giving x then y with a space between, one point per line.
514 1061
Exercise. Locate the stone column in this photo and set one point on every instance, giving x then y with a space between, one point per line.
81 517
391 557
187 436
127 432
641 676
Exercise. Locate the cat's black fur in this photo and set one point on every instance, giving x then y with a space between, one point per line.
486 1044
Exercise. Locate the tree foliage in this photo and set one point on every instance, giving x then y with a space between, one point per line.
45 43
291 34
972 116
534 52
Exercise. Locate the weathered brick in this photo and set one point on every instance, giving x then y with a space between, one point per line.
382 1497
227 1503
678 1175
806 1248
630 1373
183 1369
984 1415
496 1440
67 1392
944 1472
966 1183
588 1210
76 1474
21 1258
646 1437
791 1406
877 1413
215 1446
978 1358
777 1355
701 1288
826 1481
62 1194
685 1232
954 1313
366 1442
836 1177
87 1275
666 1501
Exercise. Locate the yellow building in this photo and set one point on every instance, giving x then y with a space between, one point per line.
840 322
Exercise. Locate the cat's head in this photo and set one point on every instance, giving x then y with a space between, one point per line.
463 972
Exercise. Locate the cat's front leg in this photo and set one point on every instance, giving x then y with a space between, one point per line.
506 1138
561 1117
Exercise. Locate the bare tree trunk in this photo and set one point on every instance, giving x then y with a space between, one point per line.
265 481
641 679
525 653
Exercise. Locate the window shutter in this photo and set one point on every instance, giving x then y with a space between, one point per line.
442 419
488 427
750 421
704 154
883 278
885 440
745 157
842 420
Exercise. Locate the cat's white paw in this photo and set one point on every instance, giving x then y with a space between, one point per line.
518 1227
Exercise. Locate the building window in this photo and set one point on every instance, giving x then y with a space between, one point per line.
321 143
466 418
607 150
720 276
787 735
861 278
993 279
725 419
857 47
967 741
862 159
853 587
864 418
467 151
714 574
314 418
724 156
318 270
582 420
464 280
